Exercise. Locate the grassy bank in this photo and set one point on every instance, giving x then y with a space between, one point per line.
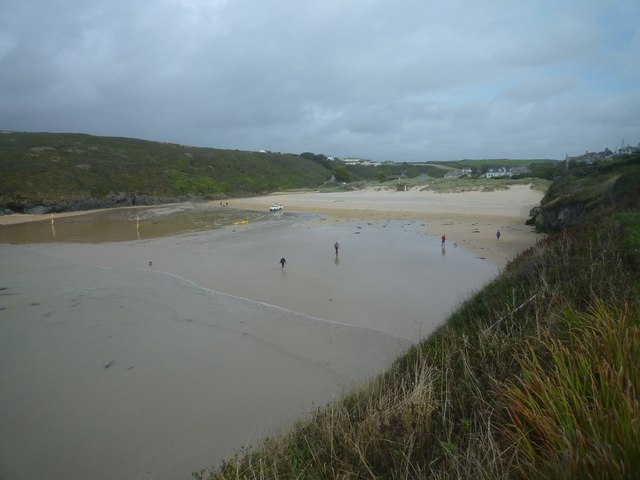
443 185
54 168
46 166
535 376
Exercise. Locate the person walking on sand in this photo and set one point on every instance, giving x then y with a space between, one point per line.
283 262
336 246
498 234
444 239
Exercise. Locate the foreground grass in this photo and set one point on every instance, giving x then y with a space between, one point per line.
536 376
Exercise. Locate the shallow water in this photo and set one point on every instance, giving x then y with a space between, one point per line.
127 224
148 371
121 374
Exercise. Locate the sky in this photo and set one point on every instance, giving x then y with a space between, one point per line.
407 81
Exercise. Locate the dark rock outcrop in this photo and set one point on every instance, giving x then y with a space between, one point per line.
112 200
561 216
39 210
533 216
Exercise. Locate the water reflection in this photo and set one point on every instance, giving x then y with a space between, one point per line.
115 225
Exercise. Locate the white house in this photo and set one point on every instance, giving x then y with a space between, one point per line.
498 172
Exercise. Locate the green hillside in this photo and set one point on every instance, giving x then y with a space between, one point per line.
546 169
44 172
45 167
591 191
535 376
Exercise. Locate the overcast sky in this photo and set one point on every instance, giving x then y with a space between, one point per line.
408 80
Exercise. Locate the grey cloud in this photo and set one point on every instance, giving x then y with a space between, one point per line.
540 90
412 80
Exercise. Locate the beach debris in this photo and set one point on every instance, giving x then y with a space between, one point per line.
108 364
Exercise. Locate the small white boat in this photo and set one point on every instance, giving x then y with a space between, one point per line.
275 208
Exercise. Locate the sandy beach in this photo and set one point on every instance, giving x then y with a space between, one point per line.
468 218
115 367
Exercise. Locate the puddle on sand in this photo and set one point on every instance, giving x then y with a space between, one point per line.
127 224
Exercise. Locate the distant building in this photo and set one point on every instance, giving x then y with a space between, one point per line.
360 161
352 161
494 172
462 172
590 157
629 149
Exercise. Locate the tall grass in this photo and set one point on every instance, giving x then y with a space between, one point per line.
535 376
580 418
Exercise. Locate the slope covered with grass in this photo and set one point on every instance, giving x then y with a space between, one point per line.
590 192
41 167
535 376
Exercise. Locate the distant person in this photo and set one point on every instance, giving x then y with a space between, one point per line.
283 262
336 246
444 239
498 234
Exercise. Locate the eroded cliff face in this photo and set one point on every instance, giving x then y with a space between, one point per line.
88 203
617 193
560 216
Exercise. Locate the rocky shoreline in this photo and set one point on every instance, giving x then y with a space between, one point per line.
112 200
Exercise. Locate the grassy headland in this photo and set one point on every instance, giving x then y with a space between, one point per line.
43 172
535 376
46 168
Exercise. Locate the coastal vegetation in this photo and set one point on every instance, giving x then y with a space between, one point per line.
51 169
592 189
44 172
444 185
537 375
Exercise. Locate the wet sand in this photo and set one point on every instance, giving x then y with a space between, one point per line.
132 373
117 369
121 224
467 218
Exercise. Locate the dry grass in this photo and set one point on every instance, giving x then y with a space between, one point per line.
536 376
